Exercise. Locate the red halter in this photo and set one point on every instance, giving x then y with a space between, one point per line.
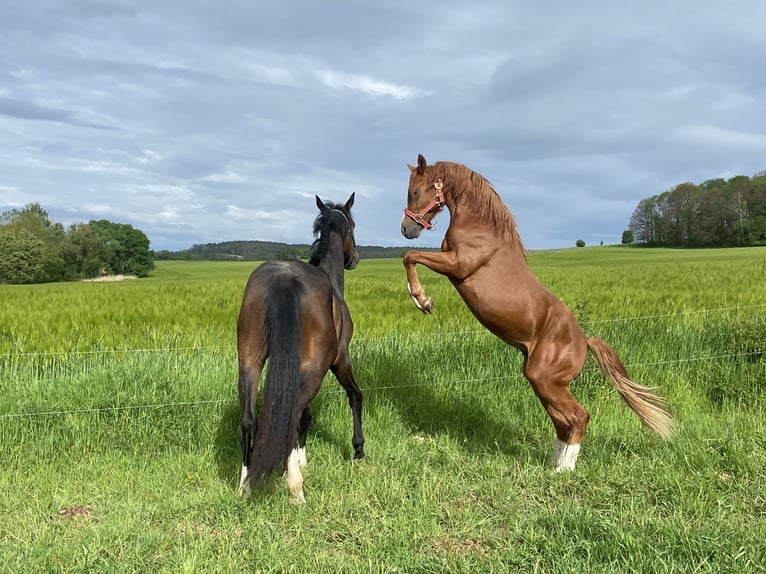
438 201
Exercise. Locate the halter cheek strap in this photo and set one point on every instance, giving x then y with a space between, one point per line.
438 201
347 258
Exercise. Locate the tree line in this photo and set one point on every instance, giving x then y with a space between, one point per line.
255 250
33 249
716 213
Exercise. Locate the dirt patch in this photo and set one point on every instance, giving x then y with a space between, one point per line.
76 511
111 278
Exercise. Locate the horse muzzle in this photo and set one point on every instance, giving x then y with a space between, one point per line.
411 229
352 261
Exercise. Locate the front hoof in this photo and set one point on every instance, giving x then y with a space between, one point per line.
428 306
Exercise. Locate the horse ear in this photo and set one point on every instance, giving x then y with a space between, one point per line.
320 204
421 164
412 167
350 202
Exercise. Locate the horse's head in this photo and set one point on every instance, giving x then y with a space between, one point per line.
424 199
345 226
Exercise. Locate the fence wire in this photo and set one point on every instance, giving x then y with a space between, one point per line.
362 339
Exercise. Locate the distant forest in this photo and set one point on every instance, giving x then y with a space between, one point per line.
267 250
34 249
716 213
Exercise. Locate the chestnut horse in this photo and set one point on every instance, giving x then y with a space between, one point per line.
482 256
294 313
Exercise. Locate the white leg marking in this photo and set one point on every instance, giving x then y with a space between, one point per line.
294 478
409 290
244 483
567 458
558 453
302 461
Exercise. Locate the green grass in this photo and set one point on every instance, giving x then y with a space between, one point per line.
119 417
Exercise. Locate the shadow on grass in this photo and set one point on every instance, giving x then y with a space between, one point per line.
430 409
228 456
468 419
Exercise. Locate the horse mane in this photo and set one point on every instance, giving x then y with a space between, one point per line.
336 218
481 200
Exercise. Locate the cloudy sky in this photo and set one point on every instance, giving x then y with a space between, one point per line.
206 121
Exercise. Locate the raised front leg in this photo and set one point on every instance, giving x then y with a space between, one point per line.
446 263
441 262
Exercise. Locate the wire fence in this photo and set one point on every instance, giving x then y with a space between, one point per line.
365 339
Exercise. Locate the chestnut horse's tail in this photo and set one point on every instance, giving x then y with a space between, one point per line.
650 408
276 433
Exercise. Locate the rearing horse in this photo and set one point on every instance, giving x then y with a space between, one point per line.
294 313
483 257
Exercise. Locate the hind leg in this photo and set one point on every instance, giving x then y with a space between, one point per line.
311 379
550 383
303 431
343 372
249 378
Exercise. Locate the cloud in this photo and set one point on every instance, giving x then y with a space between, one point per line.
198 121
366 85
31 111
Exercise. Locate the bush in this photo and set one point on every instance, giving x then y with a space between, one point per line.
741 340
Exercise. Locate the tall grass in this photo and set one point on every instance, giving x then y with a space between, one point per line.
118 429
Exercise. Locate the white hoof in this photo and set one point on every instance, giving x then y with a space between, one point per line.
302 461
295 478
564 458
244 483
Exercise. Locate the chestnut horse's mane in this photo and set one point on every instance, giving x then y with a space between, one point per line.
476 194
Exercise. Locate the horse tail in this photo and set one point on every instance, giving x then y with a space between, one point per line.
277 425
650 408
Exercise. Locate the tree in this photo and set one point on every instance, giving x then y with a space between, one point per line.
717 213
30 229
85 253
627 237
682 210
580 243
126 249
645 221
23 258
756 201
34 250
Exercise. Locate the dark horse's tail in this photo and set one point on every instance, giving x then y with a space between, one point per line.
278 422
650 408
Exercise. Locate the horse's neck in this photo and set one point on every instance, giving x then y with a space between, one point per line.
332 262
460 197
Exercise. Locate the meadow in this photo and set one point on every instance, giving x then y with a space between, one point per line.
119 429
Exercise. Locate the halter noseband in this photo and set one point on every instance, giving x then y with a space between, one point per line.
438 201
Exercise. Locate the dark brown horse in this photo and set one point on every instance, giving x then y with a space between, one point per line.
294 313
483 257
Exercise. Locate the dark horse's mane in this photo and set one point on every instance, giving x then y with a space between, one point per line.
484 202
335 218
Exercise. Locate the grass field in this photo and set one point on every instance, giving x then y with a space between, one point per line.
119 429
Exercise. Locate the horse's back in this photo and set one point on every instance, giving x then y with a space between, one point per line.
311 287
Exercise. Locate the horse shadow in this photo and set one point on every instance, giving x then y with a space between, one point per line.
227 451
426 410
228 457
423 409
